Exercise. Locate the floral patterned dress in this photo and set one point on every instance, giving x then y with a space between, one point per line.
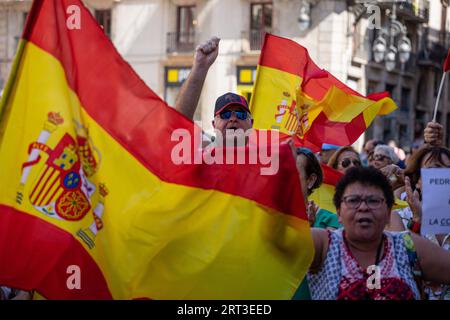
342 278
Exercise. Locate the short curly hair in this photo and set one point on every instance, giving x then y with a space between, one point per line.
387 150
367 176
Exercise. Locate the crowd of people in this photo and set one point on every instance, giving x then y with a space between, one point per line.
365 231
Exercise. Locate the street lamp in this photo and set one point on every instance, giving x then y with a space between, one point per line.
404 49
390 58
385 47
379 49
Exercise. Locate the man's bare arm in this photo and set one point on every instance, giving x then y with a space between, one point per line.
205 55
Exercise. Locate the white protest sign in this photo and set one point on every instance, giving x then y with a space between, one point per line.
435 201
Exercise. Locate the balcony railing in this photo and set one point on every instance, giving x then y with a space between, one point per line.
180 42
253 40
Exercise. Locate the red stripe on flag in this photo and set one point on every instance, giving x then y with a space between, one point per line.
138 119
38 184
338 133
43 241
48 190
44 187
376 96
330 176
283 54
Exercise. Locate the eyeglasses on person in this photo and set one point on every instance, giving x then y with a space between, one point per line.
346 162
354 201
241 115
380 157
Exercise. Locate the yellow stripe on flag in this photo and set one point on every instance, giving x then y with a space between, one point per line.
160 240
323 197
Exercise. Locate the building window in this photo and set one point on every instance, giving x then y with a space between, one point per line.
419 126
246 76
391 89
405 103
186 24
260 23
24 18
422 91
403 133
372 87
103 18
174 79
387 133
261 18
437 80
22 22
353 83
175 76
183 39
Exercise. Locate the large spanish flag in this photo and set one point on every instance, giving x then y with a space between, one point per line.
92 204
293 95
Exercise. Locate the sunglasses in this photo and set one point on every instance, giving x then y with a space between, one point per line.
241 115
380 157
346 162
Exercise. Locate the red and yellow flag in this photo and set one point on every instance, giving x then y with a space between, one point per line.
89 187
293 95
323 196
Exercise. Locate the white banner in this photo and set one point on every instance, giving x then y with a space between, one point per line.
435 201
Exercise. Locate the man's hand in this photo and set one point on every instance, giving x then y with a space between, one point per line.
311 212
433 134
190 91
395 175
206 53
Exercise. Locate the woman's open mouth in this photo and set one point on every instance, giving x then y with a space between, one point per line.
364 222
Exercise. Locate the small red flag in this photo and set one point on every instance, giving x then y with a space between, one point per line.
447 62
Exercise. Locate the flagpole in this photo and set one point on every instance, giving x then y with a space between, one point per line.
439 96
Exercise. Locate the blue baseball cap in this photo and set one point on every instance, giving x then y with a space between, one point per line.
229 99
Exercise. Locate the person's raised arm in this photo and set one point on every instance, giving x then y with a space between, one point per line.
205 55
434 261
